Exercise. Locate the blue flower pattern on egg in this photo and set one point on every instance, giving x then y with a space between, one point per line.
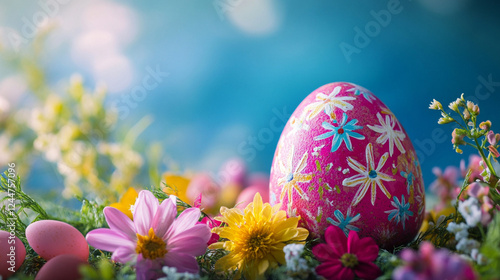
401 213
341 133
344 223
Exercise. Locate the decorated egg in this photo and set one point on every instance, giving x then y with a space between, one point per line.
343 159
53 238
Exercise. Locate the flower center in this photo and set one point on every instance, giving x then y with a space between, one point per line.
349 260
340 131
373 174
289 178
258 245
151 246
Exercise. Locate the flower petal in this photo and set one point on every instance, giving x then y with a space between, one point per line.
365 249
107 239
345 273
124 254
329 269
118 221
183 262
129 197
186 220
323 252
367 270
144 211
228 262
257 205
336 239
278 254
201 231
147 269
193 246
164 217
262 266
352 242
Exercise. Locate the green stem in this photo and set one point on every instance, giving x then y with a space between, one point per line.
466 128
448 115
485 159
467 143
484 142
481 229
465 184
466 123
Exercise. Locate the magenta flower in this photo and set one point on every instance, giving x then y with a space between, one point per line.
345 257
155 238
211 223
431 264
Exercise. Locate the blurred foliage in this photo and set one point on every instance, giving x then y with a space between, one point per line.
73 130
491 250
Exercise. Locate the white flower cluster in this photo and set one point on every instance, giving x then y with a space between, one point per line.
296 266
75 134
292 256
471 212
172 274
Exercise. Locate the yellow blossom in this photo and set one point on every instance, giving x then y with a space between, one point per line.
433 219
126 202
176 185
255 238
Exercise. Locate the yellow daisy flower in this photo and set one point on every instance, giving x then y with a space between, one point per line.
126 202
256 238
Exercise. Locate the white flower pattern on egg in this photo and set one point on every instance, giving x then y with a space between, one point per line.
328 103
368 177
386 129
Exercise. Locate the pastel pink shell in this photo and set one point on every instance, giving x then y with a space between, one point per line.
343 159
51 238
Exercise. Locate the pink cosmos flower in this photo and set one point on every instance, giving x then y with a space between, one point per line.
155 238
345 257
429 263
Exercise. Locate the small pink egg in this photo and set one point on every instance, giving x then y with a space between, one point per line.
259 179
53 238
205 185
62 267
247 195
233 171
12 253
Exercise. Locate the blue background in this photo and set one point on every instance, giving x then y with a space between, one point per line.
225 81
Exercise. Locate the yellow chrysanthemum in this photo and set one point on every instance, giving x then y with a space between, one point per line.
256 238
126 202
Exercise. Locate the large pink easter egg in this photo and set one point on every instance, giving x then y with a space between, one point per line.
53 238
343 159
